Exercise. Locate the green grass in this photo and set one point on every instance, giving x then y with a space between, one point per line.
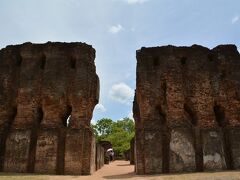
13 176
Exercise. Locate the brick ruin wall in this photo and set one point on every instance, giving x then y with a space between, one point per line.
47 96
132 151
187 109
106 145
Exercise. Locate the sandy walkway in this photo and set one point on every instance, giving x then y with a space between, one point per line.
123 170
115 170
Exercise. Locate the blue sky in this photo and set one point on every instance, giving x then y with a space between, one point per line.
116 29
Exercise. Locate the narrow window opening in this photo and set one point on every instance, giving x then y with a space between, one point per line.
73 63
68 120
67 116
191 114
183 60
43 62
156 62
39 115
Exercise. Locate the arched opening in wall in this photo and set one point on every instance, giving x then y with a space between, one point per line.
33 143
222 122
3 138
67 116
68 121
61 140
39 115
43 61
73 63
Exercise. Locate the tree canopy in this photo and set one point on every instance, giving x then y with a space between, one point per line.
119 133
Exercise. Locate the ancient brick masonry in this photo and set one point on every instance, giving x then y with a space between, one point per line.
186 109
132 151
42 87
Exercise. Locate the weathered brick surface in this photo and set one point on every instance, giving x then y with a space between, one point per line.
132 151
99 156
74 152
41 85
186 105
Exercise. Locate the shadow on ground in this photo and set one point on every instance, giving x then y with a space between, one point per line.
184 176
124 165
120 176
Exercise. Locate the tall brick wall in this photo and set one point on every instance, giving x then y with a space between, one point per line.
132 151
186 109
100 153
41 85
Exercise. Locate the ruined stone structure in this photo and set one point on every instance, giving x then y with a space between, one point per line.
186 109
47 96
106 145
99 157
132 151
126 155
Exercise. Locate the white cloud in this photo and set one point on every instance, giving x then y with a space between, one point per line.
116 29
94 121
235 19
121 93
100 107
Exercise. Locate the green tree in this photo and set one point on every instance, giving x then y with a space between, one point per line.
94 127
119 133
103 128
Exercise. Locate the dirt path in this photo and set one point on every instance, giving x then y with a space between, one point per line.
115 170
123 170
